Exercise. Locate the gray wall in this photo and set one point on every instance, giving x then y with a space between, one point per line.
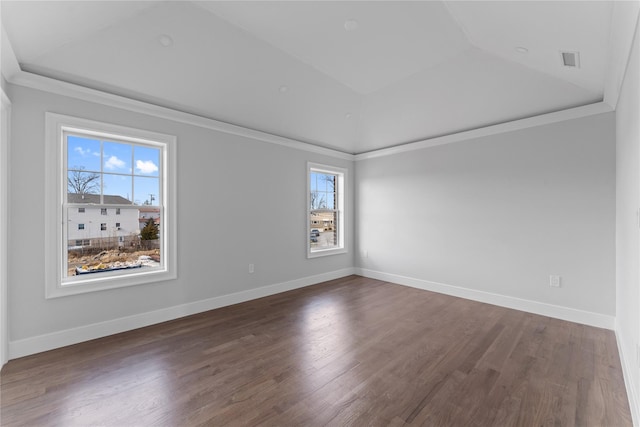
627 238
499 214
227 187
496 214
5 121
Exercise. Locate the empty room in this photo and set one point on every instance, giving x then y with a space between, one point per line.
320 213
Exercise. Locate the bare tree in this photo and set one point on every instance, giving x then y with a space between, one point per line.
81 182
330 180
317 201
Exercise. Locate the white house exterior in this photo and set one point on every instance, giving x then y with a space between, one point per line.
102 226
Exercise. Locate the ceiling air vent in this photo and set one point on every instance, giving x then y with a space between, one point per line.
571 59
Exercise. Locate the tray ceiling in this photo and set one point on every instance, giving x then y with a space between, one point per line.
353 76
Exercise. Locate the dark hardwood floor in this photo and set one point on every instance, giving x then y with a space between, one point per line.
352 351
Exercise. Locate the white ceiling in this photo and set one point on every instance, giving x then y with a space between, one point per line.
409 71
390 43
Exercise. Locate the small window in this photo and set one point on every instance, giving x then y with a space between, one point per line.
80 210
325 210
80 226
117 225
78 242
103 227
117 211
103 211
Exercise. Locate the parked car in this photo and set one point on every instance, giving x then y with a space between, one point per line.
315 232
314 239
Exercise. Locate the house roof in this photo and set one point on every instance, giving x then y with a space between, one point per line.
323 215
94 199
145 208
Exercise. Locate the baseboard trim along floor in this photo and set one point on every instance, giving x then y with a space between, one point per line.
40 343
543 309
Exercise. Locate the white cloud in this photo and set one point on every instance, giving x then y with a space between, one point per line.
146 166
85 153
114 163
82 151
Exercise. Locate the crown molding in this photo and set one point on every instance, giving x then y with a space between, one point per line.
58 87
515 125
46 84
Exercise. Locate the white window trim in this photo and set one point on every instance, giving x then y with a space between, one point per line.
342 198
56 191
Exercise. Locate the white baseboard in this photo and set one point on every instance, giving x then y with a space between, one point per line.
40 343
627 362
555 311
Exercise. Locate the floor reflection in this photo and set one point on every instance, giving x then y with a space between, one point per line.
327 345
118 394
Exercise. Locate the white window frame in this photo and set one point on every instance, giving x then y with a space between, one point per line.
56 242
341 226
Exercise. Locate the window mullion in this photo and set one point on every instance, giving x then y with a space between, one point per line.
101 172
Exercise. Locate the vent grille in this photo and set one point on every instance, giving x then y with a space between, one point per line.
571 59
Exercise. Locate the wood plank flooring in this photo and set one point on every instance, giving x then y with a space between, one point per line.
350 352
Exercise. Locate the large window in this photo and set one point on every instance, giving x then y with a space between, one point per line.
99 170
325 204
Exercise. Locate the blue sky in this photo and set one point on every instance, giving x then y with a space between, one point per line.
127 170
319 183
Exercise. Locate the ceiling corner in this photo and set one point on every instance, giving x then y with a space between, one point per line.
8 62
625 20
448 5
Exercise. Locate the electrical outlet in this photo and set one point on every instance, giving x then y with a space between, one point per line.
554 281
251 269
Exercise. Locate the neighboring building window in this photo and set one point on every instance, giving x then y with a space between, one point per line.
325 210
109 167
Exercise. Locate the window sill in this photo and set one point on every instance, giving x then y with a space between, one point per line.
326 252
108 281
